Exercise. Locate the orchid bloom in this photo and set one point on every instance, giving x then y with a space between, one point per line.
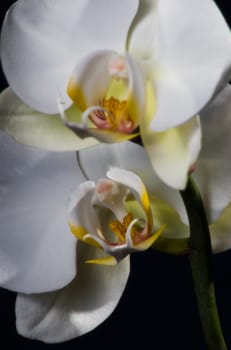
41 258
39 253
99 216
112 70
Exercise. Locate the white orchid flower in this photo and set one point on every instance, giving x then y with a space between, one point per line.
40 257
98 216
113 67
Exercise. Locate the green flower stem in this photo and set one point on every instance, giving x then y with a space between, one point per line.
200 258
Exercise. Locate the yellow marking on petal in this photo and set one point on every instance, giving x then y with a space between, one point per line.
80 232
77 95
118 89
127 220
144 198
151 104
132 110
91 241
149 241
115 107
122 105
118 230
108 260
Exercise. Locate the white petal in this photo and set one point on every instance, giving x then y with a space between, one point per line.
43 40
80 211
76 309
90 79
37 129
103 155
136 98
187 50
37 250
214 167
133 182
174 151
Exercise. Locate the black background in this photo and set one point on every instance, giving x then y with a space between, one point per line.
157 310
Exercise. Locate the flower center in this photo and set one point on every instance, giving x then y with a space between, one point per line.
117 223
112 116
114 106
109 92
120 229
